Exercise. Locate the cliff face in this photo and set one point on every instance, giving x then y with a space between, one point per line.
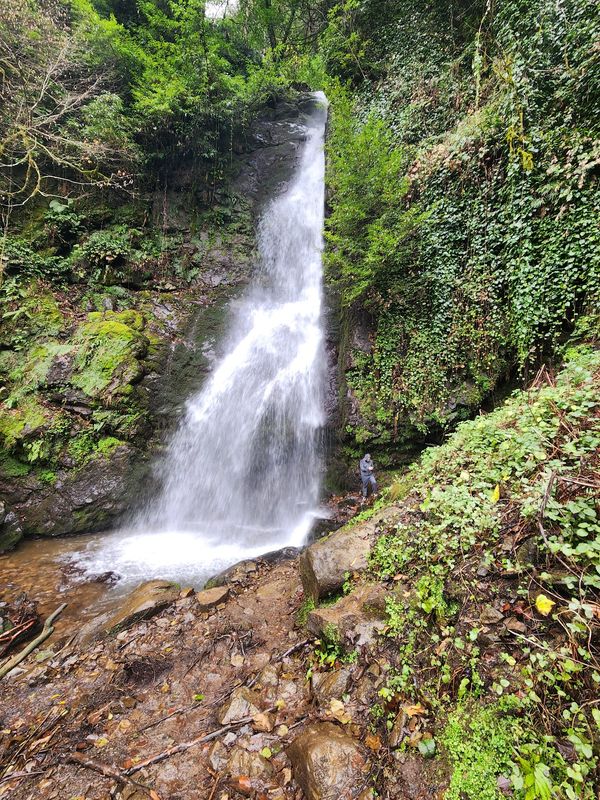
98 356
462 169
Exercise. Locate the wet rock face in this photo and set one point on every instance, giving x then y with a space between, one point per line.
324 564
209 598
10 530
144 602
327 764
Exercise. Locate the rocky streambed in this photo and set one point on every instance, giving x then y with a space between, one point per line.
221 693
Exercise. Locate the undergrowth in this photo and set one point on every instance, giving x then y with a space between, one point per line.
494 577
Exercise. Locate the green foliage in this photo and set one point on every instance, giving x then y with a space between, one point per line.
491 118
479 742
369 225
308 604
526 466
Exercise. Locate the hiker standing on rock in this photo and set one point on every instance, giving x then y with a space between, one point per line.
367 476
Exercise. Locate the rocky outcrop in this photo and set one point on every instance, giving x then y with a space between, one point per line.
355 619
94 378
327 763
147 600
209 598
325 564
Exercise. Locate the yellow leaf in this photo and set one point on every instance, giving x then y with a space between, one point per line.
336 708
102 742
414 710
496 493
544 605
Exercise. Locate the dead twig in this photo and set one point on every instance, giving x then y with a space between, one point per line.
103 769
47 631
295 647
183 746
17 776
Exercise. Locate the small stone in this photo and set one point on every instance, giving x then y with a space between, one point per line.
355 619
144 602
209 598
244 762
399 730
218 756
490 615
187 592
263 722
328 685
242 703
515 626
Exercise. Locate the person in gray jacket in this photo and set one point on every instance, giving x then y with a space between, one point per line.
367 475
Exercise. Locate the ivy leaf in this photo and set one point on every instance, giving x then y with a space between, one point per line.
544 605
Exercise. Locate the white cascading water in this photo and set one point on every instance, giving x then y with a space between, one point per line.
241 475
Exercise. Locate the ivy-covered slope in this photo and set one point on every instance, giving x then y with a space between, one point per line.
486 556
463 166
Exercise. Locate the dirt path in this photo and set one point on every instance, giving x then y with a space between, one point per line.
129 697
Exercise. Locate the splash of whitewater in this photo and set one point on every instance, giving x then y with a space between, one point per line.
241 474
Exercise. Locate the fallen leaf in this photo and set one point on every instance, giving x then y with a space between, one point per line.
101 742
496 494
415 710
266 752
372 742
337 709
544 605
237 660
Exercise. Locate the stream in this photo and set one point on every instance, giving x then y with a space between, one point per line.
241 474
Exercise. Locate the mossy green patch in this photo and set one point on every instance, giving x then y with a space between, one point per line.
479 742
107 444
110 347
16 424
13 468
29 374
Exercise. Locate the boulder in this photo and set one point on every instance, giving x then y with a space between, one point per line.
209 598
144 602
329 685
327 763
355 619
10 530
242 703
323 565
238 573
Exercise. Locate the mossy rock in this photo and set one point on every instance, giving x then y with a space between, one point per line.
109 349
18 424
37 316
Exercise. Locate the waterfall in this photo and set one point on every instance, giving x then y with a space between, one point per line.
241 474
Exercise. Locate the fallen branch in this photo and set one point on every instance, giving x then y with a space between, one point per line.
183 746
104 769
47 631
